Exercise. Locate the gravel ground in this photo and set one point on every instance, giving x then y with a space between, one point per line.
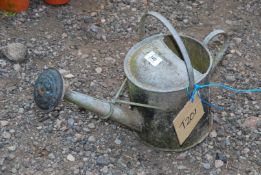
89 39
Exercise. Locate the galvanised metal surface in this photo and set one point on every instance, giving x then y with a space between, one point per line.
167 85
157 90
158 129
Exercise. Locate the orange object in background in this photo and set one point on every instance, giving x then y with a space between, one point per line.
14 5
57 2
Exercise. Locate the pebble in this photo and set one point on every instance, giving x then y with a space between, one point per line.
51 156
2 63
251 122
209 157
11 148
230 78
182 156
6 135
4 123
91 139
238 40
105 169
91 125
17 67
76 171
102 160
21 110
15 52
70 158
69 76
64 35
246 150
71 122
213 134
117 141
181 167
98 70
110 59
218 163
206 166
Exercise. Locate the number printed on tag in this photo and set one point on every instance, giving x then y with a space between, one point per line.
153 58
188 118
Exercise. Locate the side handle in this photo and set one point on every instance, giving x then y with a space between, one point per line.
219 55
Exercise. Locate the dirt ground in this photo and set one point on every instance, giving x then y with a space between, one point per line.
89 39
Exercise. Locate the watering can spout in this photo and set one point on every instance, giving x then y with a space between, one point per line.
49 90
106 110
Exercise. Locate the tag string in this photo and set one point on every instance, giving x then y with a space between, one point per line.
197 87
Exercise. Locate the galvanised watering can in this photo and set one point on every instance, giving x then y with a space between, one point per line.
161 71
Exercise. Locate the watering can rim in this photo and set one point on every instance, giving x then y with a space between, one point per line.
151 89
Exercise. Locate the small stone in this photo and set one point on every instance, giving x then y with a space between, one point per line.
98 70
63 71
227 141
105 169
117 141
181 167
185 21
102 160
213 134
237 40
91 125
11 156
110 59
246 150
21 110
2 161
103 20
13 170
78 137
89 173
6 135
4 123
251 122
70 158
220 156
239 133
91 139
258 124
209 157
17 67
15 52
11 148
51 156
182 156
230 78
206 166
218 163
71 122
69 76
93 14
64 35
76 171
3 63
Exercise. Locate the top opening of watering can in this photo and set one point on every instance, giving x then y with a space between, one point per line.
166 63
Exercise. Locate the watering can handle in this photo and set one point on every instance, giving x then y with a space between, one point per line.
219 55
176 37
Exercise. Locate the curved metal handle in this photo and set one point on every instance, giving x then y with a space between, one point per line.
222 51
176 37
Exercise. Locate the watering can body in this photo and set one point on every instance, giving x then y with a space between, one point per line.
184 61
161 71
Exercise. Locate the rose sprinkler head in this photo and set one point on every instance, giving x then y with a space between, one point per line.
49 89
